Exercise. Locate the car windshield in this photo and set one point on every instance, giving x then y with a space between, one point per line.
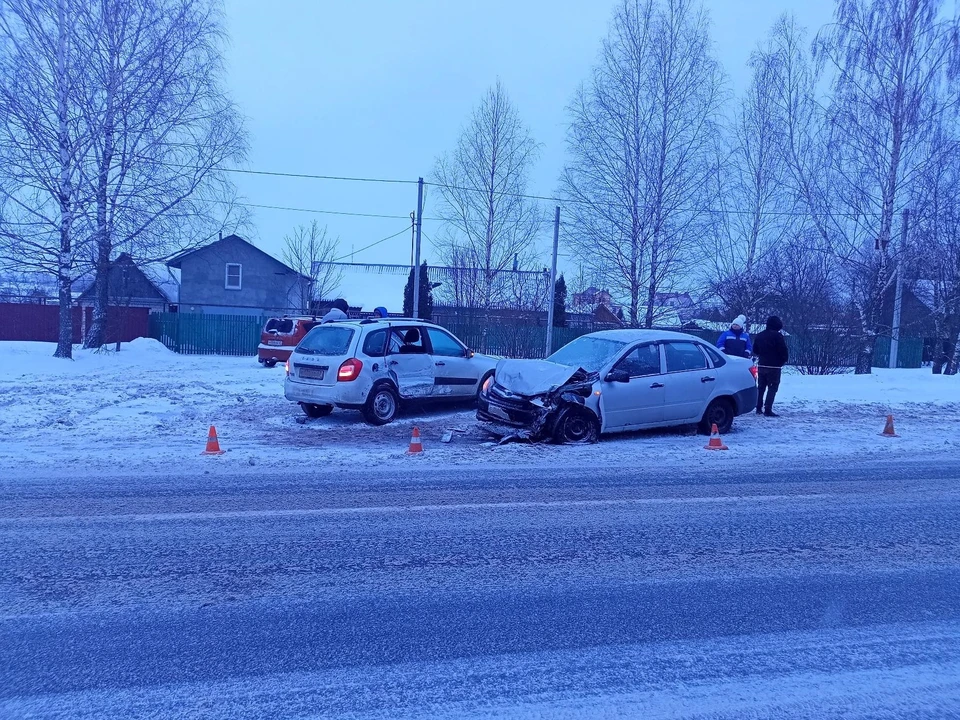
590 353
326 340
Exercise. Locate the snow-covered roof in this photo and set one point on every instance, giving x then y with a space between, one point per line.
369 290
166 279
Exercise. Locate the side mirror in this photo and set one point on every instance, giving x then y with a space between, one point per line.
620 376
470 353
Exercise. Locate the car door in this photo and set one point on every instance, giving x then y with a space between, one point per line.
688 382
455 374
637 403
409 363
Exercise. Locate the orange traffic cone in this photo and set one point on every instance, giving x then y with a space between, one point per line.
415 445
213 445
888 430
715 442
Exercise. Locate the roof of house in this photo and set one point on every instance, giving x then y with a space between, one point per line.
150 280
176 260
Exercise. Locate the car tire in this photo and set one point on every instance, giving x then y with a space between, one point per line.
382 405
720 412
312 410
269 363
576 426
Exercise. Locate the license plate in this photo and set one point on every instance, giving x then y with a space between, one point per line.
312 373
497 412
274 342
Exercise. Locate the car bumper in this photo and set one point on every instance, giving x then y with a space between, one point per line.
747 400
341 394
514 414
278 353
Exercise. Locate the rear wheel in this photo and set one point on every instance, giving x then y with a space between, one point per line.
269 363
381 406
576 426
720 412
312 410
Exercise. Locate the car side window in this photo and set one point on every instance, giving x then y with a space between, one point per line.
641 361
684 356
375 344
443 344
406 341
718 359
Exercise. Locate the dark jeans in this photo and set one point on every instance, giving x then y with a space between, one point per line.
768 380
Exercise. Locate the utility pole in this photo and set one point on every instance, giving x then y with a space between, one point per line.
898 297
416 251
553 281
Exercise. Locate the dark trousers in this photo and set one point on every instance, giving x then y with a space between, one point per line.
768 380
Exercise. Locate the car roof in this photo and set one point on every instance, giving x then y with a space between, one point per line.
640 335
384 322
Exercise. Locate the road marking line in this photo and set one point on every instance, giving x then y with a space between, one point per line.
387 509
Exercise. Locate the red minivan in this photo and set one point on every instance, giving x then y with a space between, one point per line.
280 336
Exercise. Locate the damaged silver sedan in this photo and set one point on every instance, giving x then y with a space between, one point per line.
617 381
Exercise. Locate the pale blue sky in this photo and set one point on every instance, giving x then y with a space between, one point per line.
381 88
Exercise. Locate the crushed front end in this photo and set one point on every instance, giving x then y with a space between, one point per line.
531 415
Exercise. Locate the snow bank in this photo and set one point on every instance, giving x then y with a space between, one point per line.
890 388
35 359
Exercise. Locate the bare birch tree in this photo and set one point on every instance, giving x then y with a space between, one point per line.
163 128
937 255
642 142
491 226
755 209
886 62
43 139
311 252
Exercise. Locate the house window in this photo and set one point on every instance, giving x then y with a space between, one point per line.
233 276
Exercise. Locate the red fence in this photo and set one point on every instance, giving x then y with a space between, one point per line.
40 322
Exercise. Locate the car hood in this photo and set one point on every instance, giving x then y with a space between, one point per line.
534 377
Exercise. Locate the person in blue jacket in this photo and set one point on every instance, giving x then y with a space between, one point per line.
736 340
380 312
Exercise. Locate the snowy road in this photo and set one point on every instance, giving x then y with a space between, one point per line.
811 593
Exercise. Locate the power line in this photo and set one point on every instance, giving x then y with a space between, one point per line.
374 244
335 212
323 212
503 193
308 176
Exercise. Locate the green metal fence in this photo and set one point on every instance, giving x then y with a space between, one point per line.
197 334
909 353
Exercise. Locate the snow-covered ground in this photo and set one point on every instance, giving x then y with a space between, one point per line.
146 407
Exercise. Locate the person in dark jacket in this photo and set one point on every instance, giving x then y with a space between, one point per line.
771 351
338 311
736 340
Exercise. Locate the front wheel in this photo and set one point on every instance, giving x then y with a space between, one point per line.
312 410
576 427
720 413
381 406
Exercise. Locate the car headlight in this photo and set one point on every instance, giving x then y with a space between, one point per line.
487 383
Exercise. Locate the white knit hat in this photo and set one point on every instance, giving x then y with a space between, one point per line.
740 320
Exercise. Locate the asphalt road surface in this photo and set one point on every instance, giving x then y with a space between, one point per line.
794 592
